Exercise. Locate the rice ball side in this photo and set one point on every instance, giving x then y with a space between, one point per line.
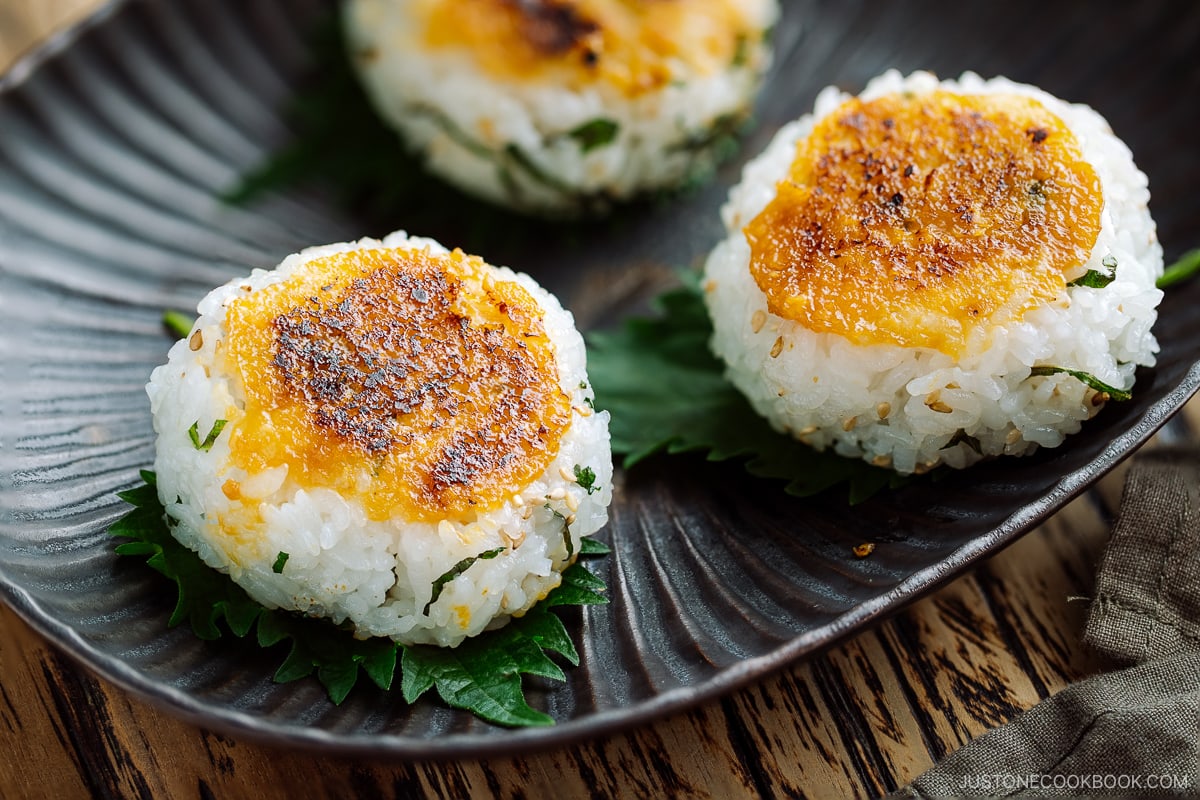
905 274
384 433
560 107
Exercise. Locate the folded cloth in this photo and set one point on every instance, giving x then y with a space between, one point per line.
1133 732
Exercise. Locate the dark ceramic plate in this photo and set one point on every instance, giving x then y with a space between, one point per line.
116 141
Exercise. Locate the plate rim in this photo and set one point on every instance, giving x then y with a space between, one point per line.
618 719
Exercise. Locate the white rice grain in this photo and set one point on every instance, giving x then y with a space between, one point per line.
509 142
810 382
374 574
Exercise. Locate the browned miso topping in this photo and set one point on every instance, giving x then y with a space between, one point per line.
411 380
630 45
911 219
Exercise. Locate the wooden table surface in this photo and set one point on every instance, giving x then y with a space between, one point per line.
857 721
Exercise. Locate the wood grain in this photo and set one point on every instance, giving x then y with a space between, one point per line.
856 721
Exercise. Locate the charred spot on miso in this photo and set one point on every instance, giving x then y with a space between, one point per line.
553 28
418 369
851 245
636 47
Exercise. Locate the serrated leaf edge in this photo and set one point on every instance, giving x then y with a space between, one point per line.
380 668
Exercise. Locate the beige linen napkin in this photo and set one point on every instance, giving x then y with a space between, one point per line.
1134 731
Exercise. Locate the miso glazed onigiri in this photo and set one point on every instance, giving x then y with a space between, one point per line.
384 433
561 106
936 272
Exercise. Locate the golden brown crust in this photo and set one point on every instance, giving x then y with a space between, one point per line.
413 376
911 219
552 28
635 47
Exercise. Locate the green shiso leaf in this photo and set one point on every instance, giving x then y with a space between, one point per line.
1187 266
483 675
440 581
342 147
586 478
1113 392
667 393
566 528
482 679
962 437
332 652
592 547
596 133
1095 279
741 52
178 323
205 596
340 142
210 439
579 587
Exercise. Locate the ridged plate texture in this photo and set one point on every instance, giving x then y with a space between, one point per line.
116 142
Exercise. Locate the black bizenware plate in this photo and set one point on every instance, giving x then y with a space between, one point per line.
117 140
